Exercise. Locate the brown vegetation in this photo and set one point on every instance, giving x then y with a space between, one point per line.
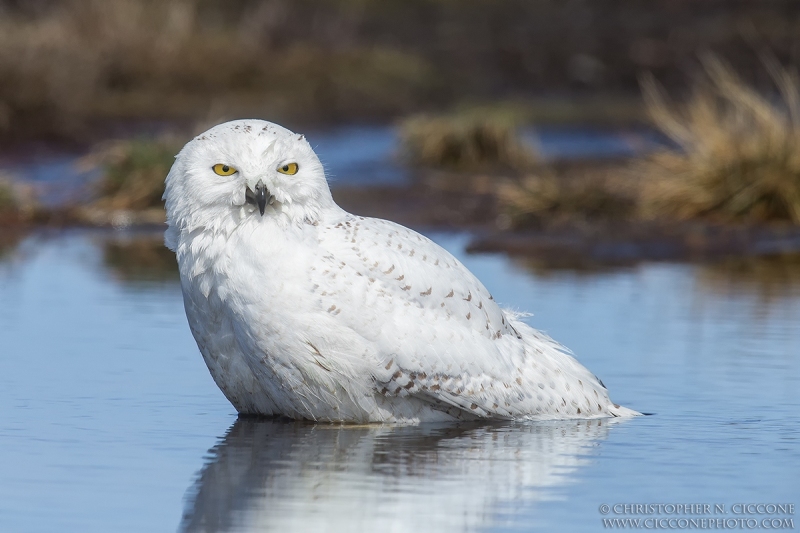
8 202
554 195
739 151
736 159
67 64
81 60
466 140
131 183
17 203
134 173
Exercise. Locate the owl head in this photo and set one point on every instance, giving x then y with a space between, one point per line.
244 172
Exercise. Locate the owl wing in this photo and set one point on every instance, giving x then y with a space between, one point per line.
433 329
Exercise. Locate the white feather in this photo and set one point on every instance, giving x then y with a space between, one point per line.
314 313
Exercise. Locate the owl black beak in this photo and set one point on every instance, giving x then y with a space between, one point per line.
259 197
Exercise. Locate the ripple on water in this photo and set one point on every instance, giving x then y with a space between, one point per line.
110 410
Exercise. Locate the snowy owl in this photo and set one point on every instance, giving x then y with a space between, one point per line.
304 310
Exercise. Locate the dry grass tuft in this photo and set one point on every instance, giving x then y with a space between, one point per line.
739 157
134 173
17 202
75 62
8 200
466 141
546 196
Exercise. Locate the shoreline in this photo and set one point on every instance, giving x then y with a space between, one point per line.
580 244
468 202
572 243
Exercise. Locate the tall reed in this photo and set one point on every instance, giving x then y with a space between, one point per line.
466 141
737 155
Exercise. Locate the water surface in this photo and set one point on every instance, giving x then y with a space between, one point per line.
110 421
351 155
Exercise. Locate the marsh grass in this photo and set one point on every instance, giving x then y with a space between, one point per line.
18 203
69 66
738 156
74 62
547 196
467 140
8 201
736 159
133 173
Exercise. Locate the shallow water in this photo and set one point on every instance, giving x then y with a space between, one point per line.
351 155
110 421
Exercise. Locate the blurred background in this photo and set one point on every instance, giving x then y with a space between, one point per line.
72 66
509 115
628 171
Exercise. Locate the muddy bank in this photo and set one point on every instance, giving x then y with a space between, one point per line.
574 244
420 206
588 245
431 200
564 242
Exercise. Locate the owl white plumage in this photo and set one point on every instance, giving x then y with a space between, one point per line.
304 310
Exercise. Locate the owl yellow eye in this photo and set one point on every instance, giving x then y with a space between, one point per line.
289 168
224 170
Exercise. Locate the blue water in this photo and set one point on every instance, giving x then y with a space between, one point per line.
351 155
577 142
371 155
360 155
109 420
57 178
